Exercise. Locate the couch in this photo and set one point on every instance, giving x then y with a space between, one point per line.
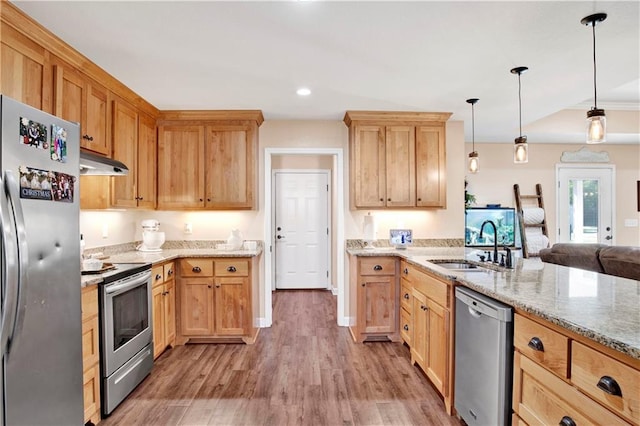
621 261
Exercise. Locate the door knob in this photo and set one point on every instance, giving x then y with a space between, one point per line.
608 237
279 237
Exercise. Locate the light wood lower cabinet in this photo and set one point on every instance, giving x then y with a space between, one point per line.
377 299
164 307
90 354
563 378
218 300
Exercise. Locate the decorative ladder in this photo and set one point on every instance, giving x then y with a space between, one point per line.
538 199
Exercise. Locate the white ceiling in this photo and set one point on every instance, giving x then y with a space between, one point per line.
416 56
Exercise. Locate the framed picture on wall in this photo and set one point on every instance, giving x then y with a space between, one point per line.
638 195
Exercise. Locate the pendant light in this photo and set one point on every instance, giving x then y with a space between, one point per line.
521 148
474 161
596 120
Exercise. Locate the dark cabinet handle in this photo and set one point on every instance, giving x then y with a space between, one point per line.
140 198
158 277
201 199
377 268
231 269
196 269
209 199
419 199
406 327
87 138
567 421
362 284
424 308
217 285
170 272
406 271
609 385
406 296
388 199
381 199
536 344
209 286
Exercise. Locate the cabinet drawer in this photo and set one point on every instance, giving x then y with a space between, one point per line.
433 288
231 268
553 347
89 302
196 268
589 368
405 295
168 271
541 398
157 275
405 326
378 266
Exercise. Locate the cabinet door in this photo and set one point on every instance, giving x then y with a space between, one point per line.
231 310
196 306
230 167
147 160
91 394
437 344
180 167
368 167
69 96
96 119
400 166
157 297
170 313
430 166
377 304
25 70
125 149
420 320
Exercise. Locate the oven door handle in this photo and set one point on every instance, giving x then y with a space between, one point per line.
128 284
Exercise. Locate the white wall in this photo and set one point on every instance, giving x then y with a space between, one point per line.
494 182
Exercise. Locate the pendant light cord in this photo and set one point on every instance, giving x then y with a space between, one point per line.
473 128
520 103
595 90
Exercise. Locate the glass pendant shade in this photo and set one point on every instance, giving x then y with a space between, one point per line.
596 126
474 162
521 150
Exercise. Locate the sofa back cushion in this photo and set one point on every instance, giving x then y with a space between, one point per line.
621 261
583 256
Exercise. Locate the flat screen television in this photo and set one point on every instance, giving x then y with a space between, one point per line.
503 217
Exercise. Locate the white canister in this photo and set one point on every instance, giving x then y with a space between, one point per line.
235 240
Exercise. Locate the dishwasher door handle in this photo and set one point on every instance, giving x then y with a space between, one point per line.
474 313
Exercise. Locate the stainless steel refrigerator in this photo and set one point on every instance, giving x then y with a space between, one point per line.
41 332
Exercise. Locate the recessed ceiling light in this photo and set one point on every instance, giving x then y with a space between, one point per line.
303 91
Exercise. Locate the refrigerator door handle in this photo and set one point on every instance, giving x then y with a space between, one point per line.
10 272
13 192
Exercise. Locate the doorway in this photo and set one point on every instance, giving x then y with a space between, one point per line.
585 203
338 243
301 212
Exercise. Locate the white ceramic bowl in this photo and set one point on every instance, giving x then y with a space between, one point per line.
92 264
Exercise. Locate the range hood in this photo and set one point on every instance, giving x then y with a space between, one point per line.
92 164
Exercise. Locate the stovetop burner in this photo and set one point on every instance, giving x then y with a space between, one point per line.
123 270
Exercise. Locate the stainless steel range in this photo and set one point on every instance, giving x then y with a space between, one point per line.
126 335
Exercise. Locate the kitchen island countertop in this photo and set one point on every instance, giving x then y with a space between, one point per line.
601 307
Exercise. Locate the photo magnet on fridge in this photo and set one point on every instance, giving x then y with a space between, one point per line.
58 144
37 184
33 134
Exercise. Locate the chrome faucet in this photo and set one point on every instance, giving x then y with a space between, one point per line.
495 238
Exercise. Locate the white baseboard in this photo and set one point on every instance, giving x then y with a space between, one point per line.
346 321
334 291
262 323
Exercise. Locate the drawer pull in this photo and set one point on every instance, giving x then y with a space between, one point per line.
196 269
231 269
170 272
406 296
158 277
377 268
406 327
609 385
406 271
536 344
567 421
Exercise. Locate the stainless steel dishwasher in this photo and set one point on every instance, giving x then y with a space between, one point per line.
484 359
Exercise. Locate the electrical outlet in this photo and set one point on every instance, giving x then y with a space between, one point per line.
105 230
631 223
188 228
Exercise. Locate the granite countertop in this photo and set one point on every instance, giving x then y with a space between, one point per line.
133 256
601 307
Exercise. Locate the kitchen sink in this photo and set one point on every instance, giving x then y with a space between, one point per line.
460 266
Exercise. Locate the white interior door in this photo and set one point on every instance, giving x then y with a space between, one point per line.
301 230
586 200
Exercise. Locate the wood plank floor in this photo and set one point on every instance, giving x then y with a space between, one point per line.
304 370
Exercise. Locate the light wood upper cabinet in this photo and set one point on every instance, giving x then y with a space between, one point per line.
125 144
25 69
397 159
208 159
180 167
230 158
147 162
78 99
